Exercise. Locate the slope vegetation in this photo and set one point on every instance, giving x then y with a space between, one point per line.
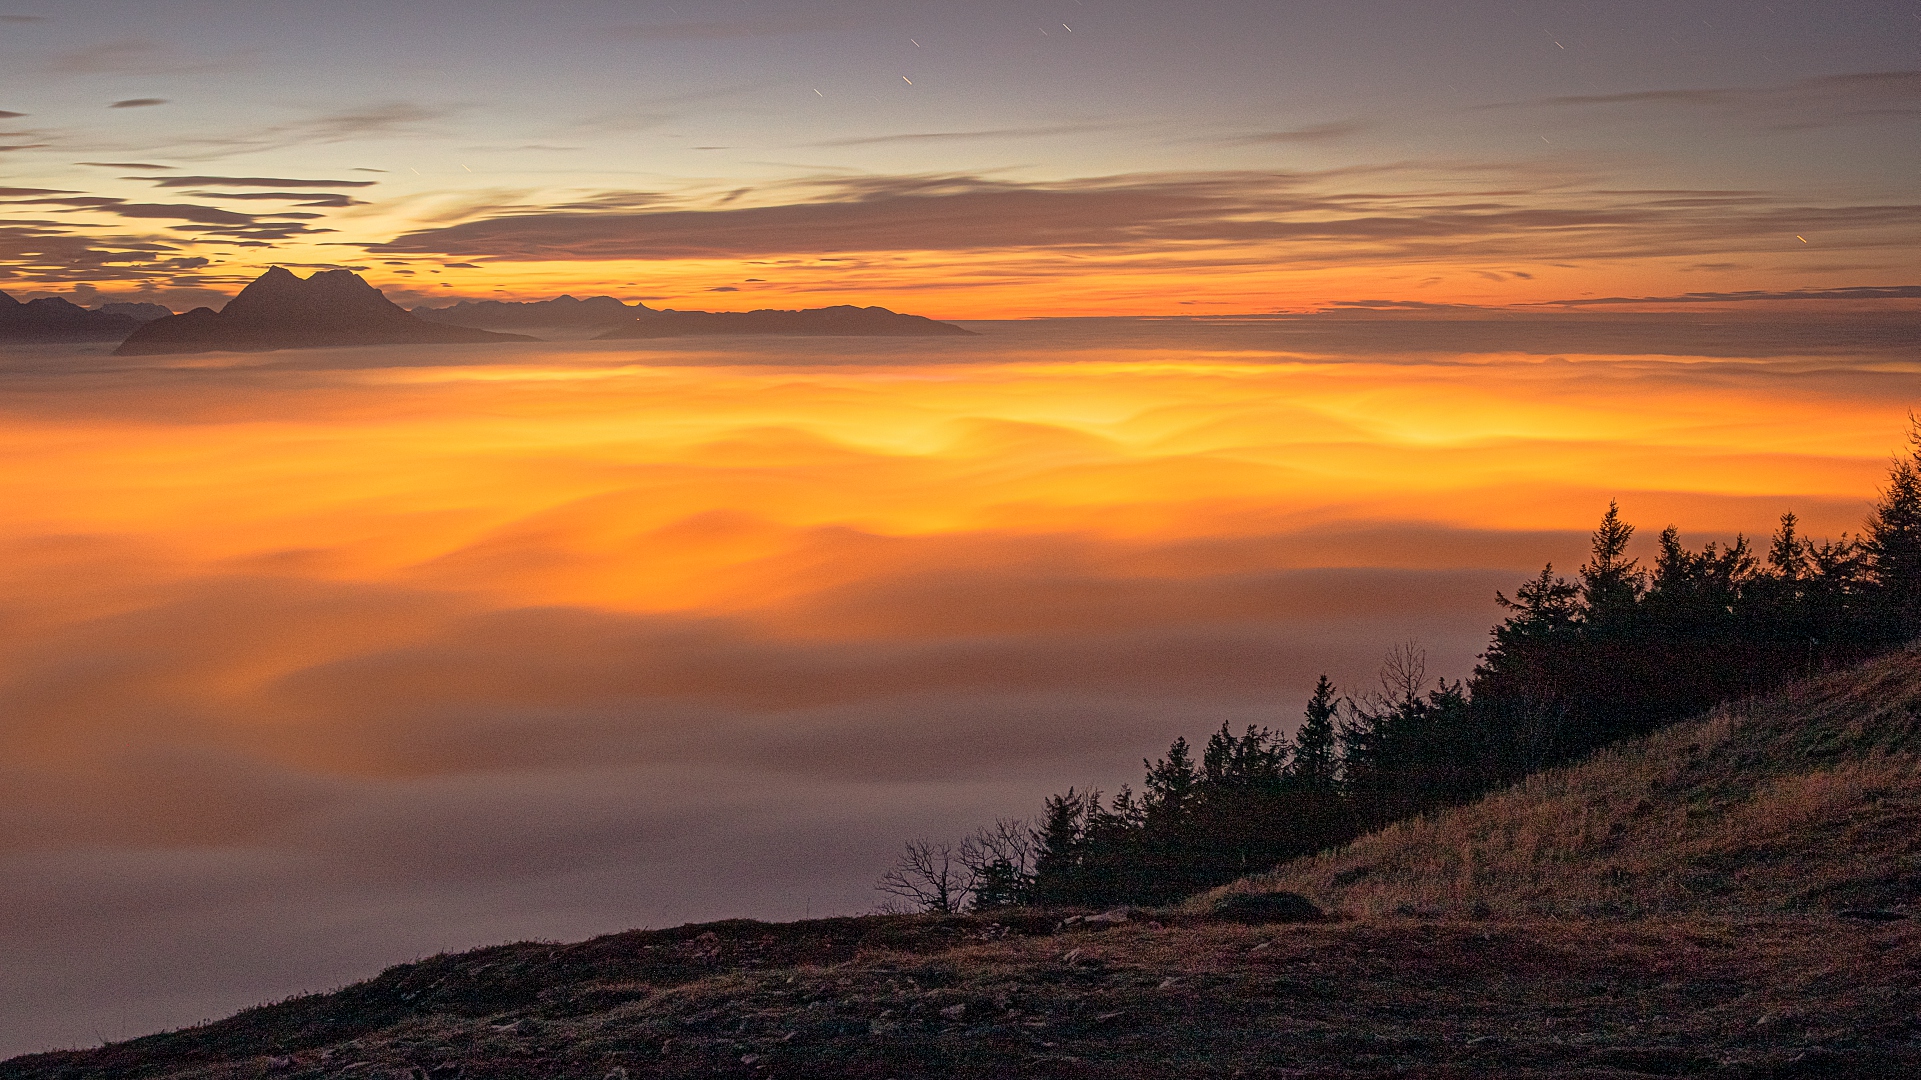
1805 801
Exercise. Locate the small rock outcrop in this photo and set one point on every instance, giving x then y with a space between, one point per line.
1256 909
281 311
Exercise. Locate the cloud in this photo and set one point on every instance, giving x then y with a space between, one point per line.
137 103
686 641
377 121
138 56
1333 131
5 115
1826 101
1296 219
960 136
124 165
248 181
724 29
1853 292
206 215
304 198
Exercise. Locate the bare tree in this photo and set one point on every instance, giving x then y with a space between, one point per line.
1009 840
1000 861
1404 674
927 877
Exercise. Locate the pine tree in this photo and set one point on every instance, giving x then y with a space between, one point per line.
1313 768
1611 582
1893 541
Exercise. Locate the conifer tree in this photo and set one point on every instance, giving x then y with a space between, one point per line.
1893 541
1610 581
1315 763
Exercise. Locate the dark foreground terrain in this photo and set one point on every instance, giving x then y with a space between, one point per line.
905 996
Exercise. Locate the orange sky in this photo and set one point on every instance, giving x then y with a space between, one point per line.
965 161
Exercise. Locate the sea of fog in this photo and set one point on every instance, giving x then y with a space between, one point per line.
314 662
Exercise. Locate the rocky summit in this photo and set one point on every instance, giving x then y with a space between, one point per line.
280 310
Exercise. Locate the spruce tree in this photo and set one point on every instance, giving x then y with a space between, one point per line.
1611 582
1316 759
1893 541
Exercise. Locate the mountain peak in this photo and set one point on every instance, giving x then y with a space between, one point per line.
280 310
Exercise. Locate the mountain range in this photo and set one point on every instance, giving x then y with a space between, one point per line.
52 319
839 321
561 311
281 311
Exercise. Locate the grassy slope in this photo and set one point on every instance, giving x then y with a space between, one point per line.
1468 952
1809 800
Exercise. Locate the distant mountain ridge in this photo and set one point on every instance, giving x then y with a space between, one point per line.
55 319
279 310
561 311
842 320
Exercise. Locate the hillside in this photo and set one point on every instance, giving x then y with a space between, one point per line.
1727 898
1808 800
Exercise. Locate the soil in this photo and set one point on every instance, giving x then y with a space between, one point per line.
1157 996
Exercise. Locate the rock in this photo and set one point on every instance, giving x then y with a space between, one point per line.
1107 918
1872 914
954 1012
1255 909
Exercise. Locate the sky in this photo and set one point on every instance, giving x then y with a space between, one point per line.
973 160
313 662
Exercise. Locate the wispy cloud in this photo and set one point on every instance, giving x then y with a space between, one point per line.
1853 292
724 29
1302 219
138 103
249 182
140 56
390 120
961 136
1333 131
1806 103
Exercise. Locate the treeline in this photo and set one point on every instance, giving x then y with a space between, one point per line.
1614 652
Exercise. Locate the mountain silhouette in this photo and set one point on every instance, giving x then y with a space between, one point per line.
54 319
843 320
281 311
558 312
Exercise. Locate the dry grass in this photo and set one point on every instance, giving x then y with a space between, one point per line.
902 997
1806 801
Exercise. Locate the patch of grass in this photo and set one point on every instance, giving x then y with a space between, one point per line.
1806 800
